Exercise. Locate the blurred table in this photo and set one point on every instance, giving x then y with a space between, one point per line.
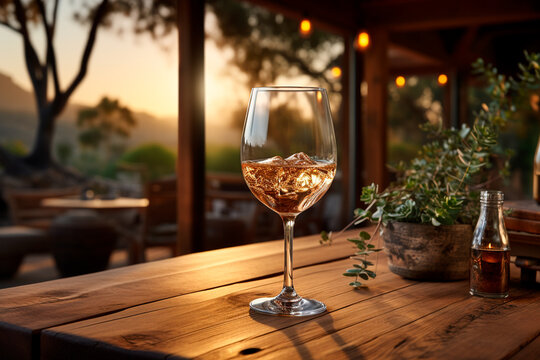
196 306
121 203
112 209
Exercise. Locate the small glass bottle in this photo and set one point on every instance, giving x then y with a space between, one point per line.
536 173
490 250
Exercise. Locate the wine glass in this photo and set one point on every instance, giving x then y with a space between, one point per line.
288 162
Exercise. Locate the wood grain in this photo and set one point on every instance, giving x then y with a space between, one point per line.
190 325
216 324
26 310
523 209
529 226
530 351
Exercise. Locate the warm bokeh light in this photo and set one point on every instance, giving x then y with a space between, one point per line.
362 40
442 79
305 27
400 81
336 71
319 96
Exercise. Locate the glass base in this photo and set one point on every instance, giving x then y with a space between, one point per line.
287 303
488 295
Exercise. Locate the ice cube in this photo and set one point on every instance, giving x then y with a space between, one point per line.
276 160
300 159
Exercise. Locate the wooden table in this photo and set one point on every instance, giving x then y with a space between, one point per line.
196 306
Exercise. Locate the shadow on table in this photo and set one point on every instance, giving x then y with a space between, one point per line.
287 326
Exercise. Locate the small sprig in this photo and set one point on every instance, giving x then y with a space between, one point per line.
360 270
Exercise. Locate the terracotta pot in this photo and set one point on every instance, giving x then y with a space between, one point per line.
426 252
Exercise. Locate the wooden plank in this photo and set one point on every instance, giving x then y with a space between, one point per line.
216 324
25 310
345 332
487 329
522 225
523 209
382 312
530 351
189 325
418 327
398 15
191 159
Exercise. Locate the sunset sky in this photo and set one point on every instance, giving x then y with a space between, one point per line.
133 69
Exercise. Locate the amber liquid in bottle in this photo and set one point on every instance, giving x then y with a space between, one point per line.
490 273
291 185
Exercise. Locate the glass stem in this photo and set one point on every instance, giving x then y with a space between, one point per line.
288 229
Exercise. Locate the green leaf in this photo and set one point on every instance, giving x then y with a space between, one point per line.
356 284
364 235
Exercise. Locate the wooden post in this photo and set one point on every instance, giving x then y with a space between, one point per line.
190 163
346 133
375 121
353 107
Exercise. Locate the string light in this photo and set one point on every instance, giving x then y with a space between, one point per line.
362 40
305 27
336 71
400 81
442 79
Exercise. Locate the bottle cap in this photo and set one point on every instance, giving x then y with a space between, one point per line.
491 196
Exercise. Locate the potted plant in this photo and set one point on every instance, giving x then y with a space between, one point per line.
426 216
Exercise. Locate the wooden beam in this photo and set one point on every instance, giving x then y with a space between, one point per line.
190 163
374 122
401 15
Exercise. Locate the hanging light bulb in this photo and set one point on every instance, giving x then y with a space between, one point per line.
400 81
305 27
336 72
442 79
362 40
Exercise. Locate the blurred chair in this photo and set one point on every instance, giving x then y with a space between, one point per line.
25 205
159 219
31 221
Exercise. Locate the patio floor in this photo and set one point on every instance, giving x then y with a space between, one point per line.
40 267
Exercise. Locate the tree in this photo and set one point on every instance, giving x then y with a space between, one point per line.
156 17
268 45
107 119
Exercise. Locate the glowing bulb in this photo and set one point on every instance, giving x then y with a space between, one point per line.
400 81
362 40
336 71
442 79
489 246
319 96
305 27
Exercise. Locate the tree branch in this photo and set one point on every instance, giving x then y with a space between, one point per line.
54 17
33 65
51 56
9 26
98 17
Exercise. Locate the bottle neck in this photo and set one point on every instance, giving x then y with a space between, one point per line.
490 232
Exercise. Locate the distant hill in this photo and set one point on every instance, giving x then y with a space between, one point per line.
13 98
18 120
